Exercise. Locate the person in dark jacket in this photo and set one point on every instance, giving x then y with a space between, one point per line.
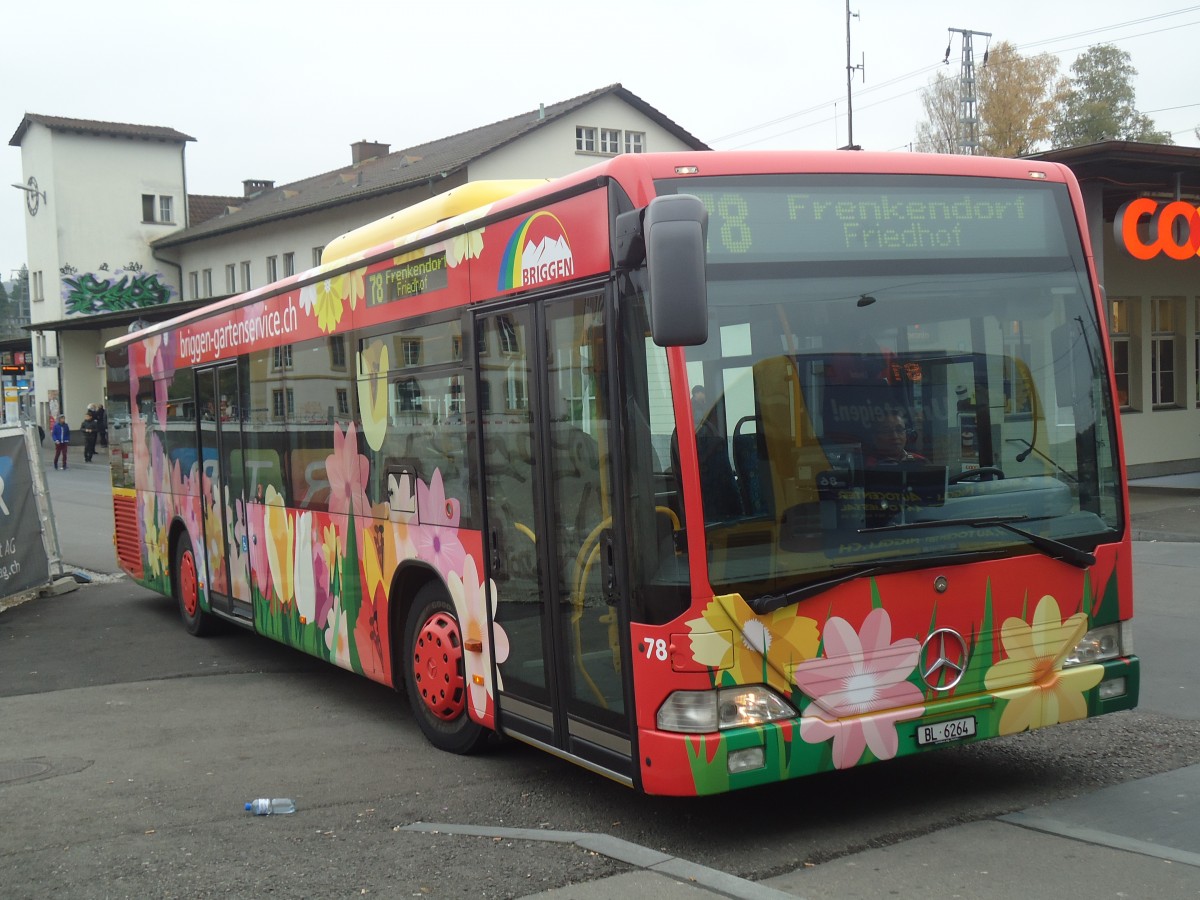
102 424
91 430
61 435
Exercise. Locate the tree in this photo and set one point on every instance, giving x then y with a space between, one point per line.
939 132
1096 103
1015 105
1016 101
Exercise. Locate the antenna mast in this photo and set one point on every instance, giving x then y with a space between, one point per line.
850 145
968 114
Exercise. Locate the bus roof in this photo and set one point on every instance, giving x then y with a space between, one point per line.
635 172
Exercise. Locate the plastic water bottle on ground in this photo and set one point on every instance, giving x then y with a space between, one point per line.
279 806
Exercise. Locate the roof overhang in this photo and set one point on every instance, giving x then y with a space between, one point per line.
100 321
1130 169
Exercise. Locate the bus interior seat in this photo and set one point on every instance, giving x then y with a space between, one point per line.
753 467
718 483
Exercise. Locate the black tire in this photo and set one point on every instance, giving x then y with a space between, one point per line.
185 586
435 676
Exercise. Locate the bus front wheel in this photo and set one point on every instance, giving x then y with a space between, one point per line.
186 584
435 674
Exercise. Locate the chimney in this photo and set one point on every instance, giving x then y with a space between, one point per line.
252 186
361 151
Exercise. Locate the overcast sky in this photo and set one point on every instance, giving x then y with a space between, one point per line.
279 90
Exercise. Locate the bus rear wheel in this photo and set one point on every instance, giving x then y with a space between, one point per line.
185 582
435 674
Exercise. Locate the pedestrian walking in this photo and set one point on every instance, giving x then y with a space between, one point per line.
61 435
91 430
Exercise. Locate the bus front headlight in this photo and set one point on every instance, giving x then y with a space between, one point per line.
700 712
1099 644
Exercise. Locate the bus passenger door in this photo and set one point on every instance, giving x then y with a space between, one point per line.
219 406
545 410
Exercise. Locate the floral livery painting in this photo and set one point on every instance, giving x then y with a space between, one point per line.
318 579
852 666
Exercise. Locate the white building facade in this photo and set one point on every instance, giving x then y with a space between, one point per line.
107 243
97 195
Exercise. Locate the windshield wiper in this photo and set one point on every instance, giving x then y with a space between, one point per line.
1049 546
765 603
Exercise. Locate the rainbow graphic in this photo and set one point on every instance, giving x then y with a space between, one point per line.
537 253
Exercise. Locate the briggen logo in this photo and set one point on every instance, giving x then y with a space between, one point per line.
537 253
1174 229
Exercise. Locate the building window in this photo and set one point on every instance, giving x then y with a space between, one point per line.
39 288
208 283
635 142
337 351
585 139
610 141
510 343
272 269
408 396
289 264
194 284
1119 331
343 402
246 276
283 357
283 403
317 251
515 396
231 279
1164 316
158 209
410 347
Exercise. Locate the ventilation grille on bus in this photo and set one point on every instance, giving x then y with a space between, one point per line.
126 537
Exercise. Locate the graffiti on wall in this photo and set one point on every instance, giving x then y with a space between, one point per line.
131 287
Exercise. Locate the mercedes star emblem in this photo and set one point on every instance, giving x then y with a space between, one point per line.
943 659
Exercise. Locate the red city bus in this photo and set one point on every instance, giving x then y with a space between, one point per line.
700 470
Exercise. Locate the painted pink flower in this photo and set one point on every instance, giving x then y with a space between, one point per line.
259 564
436 538
471 602
432 505
860 689
347 471
321 576
160 359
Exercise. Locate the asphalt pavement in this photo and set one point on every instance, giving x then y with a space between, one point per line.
1136 839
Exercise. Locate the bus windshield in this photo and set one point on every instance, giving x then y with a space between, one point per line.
899 369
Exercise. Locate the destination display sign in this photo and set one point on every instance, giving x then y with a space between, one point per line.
407 279
767 218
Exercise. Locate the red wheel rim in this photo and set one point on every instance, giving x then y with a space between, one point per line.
437 666
187 583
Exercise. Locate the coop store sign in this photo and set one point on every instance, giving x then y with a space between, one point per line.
1174 229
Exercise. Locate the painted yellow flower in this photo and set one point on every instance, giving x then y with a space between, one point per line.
1032 680
464 246
354 286
728 635
372 392
330 546
329 302
280 528
372 565
156 553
